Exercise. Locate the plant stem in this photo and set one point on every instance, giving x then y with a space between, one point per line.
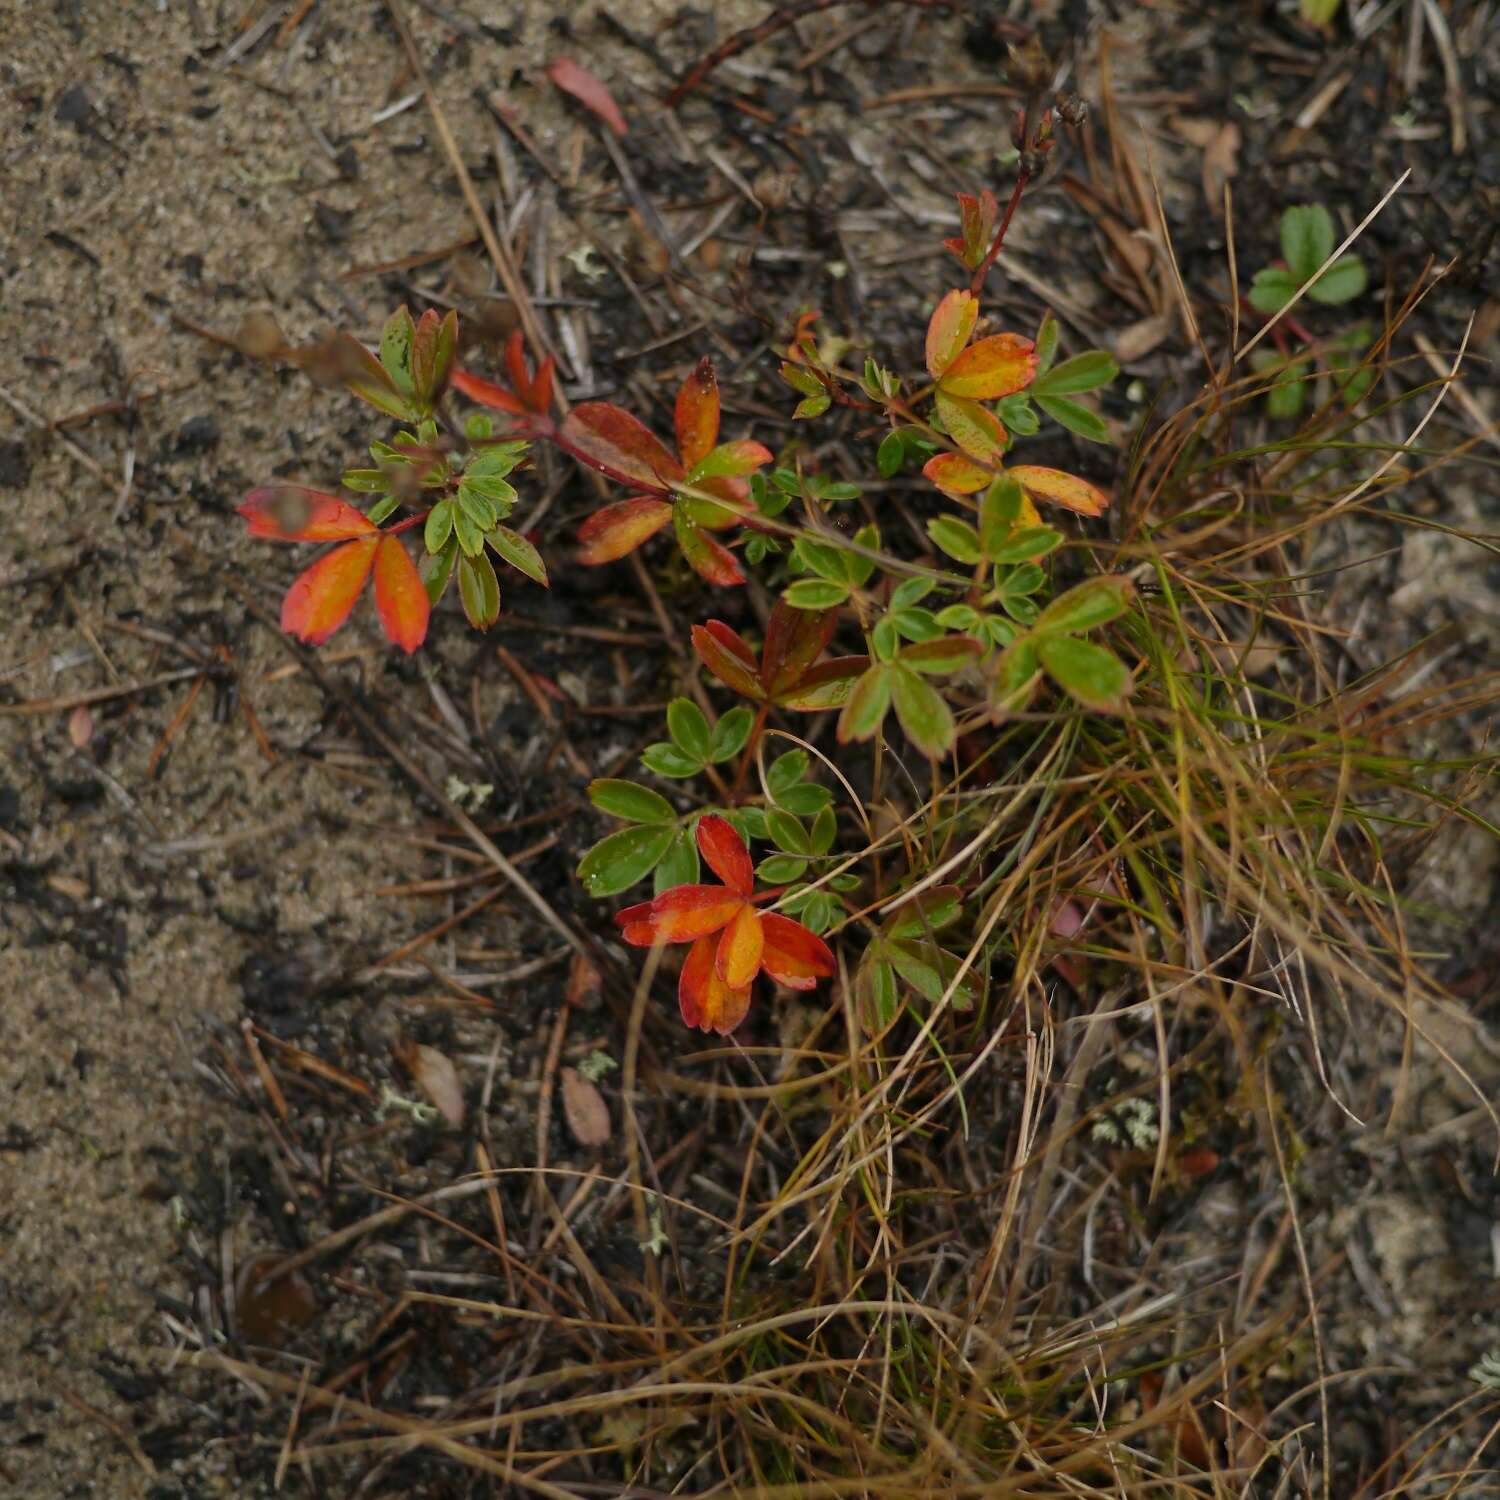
749 750
977 284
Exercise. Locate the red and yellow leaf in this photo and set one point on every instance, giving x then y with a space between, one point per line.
612 437
697 414
400 596
724 852
997 366
620 528
826 685
1067 490
726 655
956 475
792 954
975 428
689 911
320 599
290 513
949 329
488 393
576 80
705 1001
738 956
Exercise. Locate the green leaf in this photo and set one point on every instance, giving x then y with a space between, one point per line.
999 511
781 869
1034 541
1094 602
679 865
382 509
877 985
496 460
1023 580
436 569
1046 345
478 425
476 507
916 624
1272 289
959 617
885 639
519 553
955 537
787 832
816 593
689 729
890 455
806 800
395 350
930 912
1017 673
912 591
825 826
470 536
859 569
667 760
785 772
1307 238
439 526
1017 415
730 734
1097 678
924 716
366 481
1076 417
950 654
479 590
863 714
930 971
1285 399
1084 372
1344 280
626 799
811 406
616 863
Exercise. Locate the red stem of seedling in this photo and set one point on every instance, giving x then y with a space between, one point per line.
749 751
977 284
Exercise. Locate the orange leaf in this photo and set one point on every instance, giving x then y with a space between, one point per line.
621 528
697 414
949 330
400 596
956 475
320 599
997 366
795 638
724 852
793 955
975 428
1067 490
611 436
689 911
488 393
576 80
290 513
702 996
710 559
738 957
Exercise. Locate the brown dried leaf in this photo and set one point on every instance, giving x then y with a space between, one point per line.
80 726
586 1111
435 1075
585 983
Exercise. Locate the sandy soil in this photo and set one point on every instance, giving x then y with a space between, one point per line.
166 870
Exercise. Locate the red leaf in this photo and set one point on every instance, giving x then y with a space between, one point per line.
738 956
724 852
488 393
726 655
794 955
994 367
949 329
611 436
617 529
576 80
320 599
535 391
956 475
710 559
400 596
795 638
702 996
1067 490
290 513
697 414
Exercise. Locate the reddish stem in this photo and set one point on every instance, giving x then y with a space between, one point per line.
977 284
749 751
